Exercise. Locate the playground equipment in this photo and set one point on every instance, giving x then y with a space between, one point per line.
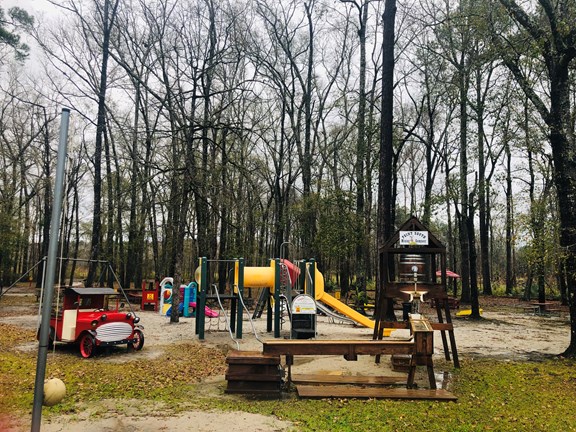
279 275
336 304
92 317
188 294
408 263
149 296
303 311
258 372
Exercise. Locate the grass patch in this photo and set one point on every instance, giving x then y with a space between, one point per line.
493 395
169 379
497 396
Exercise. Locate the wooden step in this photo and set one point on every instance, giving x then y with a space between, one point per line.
252 358
348 379
249 369
233 376
252 372
308 391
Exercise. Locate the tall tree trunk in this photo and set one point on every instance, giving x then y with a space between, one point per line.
386 204
362 246
563 151
483 191
386 173
474 303
463 214
510 280
109 245
201 185
133 229
310 213
108 18
47 200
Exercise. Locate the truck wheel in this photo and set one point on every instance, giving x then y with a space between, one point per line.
138 341
87 345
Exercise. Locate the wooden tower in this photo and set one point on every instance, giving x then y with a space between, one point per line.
413 257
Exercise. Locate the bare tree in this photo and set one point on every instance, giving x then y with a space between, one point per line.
555 46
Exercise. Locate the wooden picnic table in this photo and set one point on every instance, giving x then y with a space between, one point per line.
544 308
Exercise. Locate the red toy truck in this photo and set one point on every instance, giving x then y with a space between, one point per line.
91 317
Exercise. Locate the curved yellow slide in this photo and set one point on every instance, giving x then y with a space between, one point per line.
336 304
264 277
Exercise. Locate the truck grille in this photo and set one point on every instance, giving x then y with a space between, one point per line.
112 332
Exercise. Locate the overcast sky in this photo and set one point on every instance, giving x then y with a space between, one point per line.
32 6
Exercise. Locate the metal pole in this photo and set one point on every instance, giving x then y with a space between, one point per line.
50 273
2 292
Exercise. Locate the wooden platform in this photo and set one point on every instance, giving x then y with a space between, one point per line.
319 392
348 379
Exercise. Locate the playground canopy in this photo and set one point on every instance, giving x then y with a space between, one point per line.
449 273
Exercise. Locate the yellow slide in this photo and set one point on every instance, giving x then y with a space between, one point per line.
336 304
264 277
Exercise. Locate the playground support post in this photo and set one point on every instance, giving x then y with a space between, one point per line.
311 273
240 287
201 303
277 309
313 285
236 311
268 310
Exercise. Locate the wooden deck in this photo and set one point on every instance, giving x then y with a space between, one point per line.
319 392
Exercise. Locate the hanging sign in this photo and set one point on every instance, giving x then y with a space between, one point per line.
303 304
414 238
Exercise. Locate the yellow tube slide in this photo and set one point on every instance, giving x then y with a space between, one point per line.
257 277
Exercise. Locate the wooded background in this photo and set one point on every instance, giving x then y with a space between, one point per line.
226 128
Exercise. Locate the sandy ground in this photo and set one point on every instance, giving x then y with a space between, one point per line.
503 335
